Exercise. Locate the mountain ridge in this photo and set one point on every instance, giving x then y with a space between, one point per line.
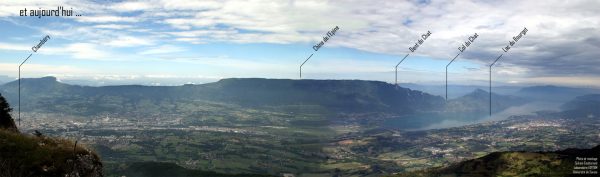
337 95
350 96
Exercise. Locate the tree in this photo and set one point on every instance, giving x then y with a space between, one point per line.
6 121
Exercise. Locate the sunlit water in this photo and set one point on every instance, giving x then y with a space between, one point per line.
426 121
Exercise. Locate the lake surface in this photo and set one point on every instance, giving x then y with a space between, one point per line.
426 121
423 121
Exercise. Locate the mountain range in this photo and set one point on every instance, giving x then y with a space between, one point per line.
554 93
340 96
47 94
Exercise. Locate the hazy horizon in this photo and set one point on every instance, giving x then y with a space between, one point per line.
166 81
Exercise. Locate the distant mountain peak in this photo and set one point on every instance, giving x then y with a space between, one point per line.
46 79
49 79
479 91
478 101
42 81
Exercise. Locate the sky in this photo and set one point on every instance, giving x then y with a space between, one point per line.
166 42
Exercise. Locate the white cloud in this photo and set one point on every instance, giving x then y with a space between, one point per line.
34 69
565 80
510 70
132 6
163 49
190 4
187 23
128 41
191 40
86 51
562 39
105 19
18 47
113 26
202 33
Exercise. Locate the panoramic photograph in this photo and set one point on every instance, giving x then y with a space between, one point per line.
299 88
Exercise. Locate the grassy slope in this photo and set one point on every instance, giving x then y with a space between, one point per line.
559 163
25 155
160 169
